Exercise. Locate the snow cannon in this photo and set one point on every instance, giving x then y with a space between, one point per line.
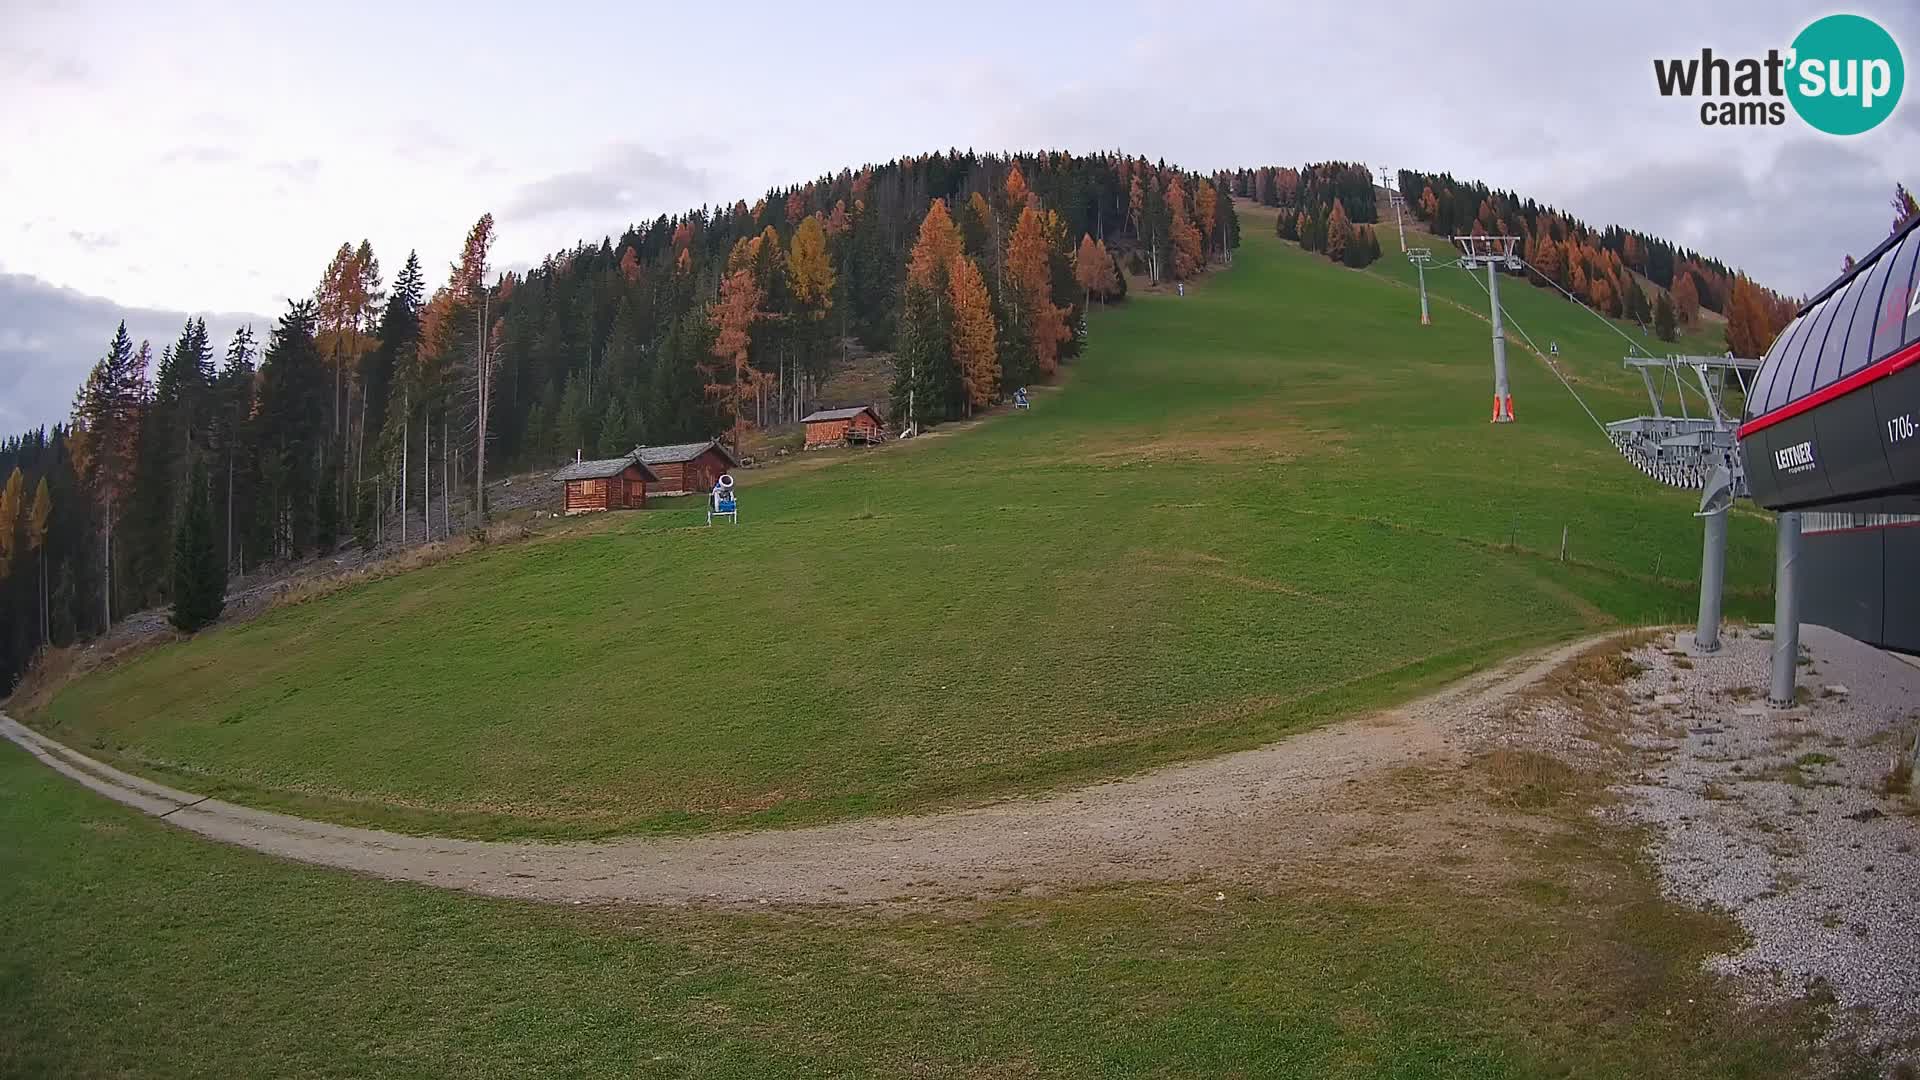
720 501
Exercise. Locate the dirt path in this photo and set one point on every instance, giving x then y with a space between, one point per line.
1248 811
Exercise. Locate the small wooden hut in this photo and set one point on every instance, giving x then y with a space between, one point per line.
607 484
687 468
831 427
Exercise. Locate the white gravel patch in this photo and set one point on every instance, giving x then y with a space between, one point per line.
1775 817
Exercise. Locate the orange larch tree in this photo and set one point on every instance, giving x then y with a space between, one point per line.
1088 267
732 381
1686 298
1205 206
1032 281
1019 196
1339 231
975 350
1755 316
933 252
1187 255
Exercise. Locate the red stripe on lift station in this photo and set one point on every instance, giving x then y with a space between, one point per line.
1872 373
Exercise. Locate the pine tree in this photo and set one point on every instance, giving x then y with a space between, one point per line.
366 515
199 575
1663 319
292 410
326 515
615 438
107 415
924 370
1359 250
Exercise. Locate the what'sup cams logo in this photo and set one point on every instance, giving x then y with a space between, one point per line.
1843 75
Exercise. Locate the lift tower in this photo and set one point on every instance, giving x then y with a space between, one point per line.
1494 252
1397 202
1420 257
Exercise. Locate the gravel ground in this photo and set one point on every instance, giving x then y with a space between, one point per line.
1254 815
1776 816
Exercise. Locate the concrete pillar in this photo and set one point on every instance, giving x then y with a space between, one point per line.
1786 612
1713 564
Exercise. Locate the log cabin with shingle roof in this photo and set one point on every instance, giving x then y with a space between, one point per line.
831 427
618 483
687 468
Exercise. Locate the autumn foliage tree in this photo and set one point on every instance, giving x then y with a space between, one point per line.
1339 230
732 380
933 252
1188 256
1093 269
1755 316
975 350
810 285
13 509
1206 210
1686 299
926 381
1031 281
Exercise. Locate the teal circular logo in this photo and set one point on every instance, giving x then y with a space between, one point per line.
1846 74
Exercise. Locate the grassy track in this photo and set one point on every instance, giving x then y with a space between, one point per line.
127 948
1269 503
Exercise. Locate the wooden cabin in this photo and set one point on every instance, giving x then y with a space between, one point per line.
607 484
686 468
831 427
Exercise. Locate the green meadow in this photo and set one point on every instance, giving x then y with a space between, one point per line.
1273 502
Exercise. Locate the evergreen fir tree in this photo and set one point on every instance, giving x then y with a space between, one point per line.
1663 321
199 573
615 439
366 514
1357 253
326 517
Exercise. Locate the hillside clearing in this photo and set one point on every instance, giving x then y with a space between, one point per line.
1268 504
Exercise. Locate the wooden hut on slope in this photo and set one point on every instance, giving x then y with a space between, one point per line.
687 468
830 427
607 484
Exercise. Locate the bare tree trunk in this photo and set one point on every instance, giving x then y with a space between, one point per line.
446 479
106 567
426 475
406 439
484 373
229 562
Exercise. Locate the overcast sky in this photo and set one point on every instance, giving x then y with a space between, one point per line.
210 156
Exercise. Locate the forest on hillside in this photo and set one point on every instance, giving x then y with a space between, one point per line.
374 411
1599 265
